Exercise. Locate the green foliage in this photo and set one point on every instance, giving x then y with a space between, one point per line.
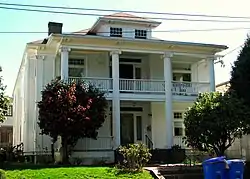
71 111
240 74
2 174
4 100
215 120
135 157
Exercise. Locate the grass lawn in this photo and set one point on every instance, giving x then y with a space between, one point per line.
76 173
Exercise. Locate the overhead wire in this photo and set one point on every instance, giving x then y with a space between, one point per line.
125 11
98 15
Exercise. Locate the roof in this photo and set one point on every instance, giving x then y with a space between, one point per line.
81 32
222 84
36 42
126 16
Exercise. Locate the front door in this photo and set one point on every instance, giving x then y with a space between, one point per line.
127 128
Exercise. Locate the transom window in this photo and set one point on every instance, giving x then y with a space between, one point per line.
140 34
115 32
178 115
76 67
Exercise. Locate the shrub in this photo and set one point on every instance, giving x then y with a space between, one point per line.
2 174
135 157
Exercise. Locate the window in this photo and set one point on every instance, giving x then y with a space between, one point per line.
139 127
178 115
140 34
76 67
115 32
178 129
182 77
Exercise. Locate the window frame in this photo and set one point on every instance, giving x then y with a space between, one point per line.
115 32
78 66
141 33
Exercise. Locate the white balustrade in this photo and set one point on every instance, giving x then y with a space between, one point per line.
104 84
141 85
189 88
102 143
146 85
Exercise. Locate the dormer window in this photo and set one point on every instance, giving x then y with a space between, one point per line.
140 34
115 32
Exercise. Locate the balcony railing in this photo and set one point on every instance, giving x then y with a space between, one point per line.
102 143
104 84
189 88
141 85
146 85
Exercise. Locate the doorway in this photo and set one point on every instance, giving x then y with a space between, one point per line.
131 129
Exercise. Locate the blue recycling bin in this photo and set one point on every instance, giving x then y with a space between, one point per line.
215 168
236 169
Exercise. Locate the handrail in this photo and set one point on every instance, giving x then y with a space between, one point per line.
149 142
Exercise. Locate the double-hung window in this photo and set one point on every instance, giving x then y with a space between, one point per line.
77 68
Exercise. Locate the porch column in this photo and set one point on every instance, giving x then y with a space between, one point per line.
64 62
211 74
168 99
116 99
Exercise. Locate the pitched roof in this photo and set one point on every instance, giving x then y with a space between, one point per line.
126 16
81 32
36 42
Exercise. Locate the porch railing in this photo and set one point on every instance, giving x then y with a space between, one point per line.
102 143
101 83
145 85
178 140
142 85
189 88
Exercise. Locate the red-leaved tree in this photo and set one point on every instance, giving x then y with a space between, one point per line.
71 111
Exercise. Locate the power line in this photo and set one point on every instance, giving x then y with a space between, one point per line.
124 11
124 32
231 51
98 15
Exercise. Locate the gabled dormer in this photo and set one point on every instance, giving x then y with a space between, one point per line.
124 25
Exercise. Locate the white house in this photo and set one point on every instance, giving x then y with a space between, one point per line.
149 82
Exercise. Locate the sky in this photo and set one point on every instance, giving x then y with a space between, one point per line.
12 45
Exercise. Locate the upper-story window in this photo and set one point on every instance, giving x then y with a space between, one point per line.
76 67
9 111
140 34
115 32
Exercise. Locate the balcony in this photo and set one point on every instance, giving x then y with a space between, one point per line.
146 86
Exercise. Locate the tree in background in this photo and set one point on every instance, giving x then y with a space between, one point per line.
4 100
71 111
240 74
215 120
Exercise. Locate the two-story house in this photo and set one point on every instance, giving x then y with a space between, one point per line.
149 82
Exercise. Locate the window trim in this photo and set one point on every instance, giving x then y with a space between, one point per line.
112 31
138 33
79 66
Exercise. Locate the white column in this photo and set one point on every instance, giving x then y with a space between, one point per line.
64 63
38 88
211 74
168 99
116 98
